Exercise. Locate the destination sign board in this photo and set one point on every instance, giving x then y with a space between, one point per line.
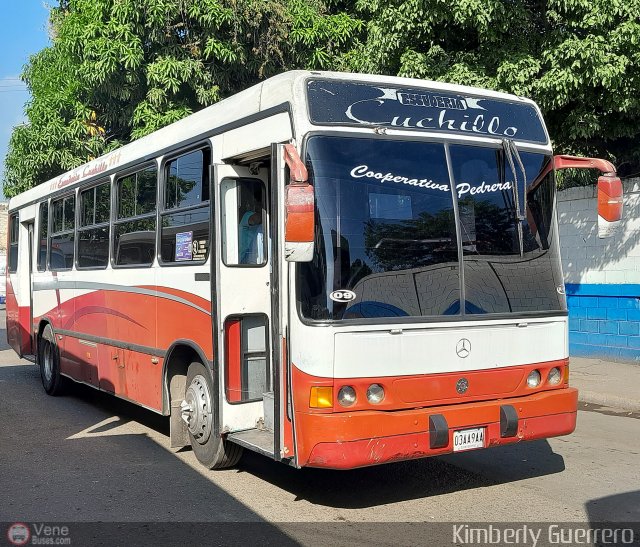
337 102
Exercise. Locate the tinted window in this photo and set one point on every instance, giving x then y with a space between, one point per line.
135 229
93 236
137 193
135 242
243 222
13 243
43 232
61 242
185 228
385 230
185 236
387 236
510 263
187 180
95 205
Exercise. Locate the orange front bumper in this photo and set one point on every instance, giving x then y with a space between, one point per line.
347 440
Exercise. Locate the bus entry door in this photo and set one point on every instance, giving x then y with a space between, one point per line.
242 297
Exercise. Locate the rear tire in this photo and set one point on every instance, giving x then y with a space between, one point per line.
49 360
198 411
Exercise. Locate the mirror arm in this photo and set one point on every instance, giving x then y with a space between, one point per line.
573 162
297 170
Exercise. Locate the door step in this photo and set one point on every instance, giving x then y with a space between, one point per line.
254 439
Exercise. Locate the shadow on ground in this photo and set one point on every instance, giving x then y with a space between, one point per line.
402 481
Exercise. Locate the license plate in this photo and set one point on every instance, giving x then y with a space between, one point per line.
468 439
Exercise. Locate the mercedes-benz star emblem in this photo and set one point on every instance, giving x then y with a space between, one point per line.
463 348
462 385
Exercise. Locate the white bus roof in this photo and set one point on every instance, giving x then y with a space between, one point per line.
273 92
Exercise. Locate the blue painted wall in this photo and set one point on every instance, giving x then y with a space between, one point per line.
604 321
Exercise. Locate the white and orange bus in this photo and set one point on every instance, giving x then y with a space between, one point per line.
334 270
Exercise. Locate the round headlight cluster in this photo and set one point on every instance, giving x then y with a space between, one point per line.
346 396
554 377
534 378
375 394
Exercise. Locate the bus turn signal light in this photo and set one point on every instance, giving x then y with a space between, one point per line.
321 397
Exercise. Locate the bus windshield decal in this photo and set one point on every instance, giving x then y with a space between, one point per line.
363 171
348 103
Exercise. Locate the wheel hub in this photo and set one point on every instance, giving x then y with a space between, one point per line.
196 409
47 359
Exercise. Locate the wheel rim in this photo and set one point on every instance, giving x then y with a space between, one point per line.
47 362
196 409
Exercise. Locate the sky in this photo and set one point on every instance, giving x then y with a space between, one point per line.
24 32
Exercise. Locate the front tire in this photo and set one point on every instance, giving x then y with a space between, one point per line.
199 414
49 360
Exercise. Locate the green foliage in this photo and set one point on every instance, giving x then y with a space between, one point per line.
579 59
120 69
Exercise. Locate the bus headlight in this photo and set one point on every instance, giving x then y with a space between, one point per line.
375 394
554 376
346 396
533 380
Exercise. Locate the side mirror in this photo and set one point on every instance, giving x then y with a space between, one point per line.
609 205
609 190
299 202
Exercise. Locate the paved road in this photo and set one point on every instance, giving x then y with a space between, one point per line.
91 457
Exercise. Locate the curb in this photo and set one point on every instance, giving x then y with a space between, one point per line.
605 399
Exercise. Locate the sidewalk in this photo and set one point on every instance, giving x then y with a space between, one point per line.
606 383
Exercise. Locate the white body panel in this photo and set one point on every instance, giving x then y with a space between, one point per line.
374 351
432 350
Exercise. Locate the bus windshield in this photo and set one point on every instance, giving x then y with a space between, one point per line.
403 233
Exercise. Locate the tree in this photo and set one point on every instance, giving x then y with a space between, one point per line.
580 60
120 69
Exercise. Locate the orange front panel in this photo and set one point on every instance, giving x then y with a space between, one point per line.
443 386
338 441
366 434
366 452
429 389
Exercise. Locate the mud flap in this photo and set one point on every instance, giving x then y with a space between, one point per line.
178 432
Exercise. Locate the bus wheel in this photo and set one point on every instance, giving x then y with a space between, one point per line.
199 415
49 359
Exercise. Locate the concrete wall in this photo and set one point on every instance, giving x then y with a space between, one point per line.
602 276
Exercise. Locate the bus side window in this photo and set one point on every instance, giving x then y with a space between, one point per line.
243 222
93 232
13 243
61 239
184 235
43 234
134 239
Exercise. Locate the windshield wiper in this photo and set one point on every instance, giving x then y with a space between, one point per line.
511 151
